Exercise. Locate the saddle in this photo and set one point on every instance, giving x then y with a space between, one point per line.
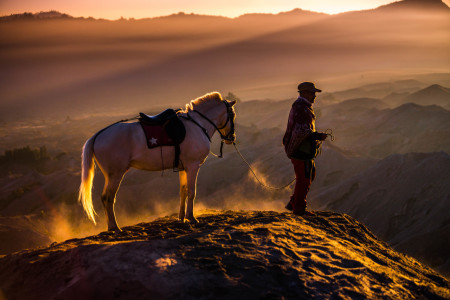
158 119
164 129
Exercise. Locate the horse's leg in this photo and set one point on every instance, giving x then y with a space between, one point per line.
192 172
183 195
112 183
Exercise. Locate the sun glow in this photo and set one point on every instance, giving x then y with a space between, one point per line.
152 8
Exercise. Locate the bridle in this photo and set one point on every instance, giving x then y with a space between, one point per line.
230 136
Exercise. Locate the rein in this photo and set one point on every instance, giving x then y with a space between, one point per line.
256 177
328 132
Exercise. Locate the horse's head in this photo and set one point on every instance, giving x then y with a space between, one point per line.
223 116
226 129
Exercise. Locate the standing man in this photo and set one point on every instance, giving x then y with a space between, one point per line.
302 143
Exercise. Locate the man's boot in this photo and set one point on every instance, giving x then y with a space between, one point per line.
289 206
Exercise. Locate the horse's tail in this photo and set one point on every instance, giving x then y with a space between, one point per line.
87 177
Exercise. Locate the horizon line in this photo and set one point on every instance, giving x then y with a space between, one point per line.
191 13
9 14
171 14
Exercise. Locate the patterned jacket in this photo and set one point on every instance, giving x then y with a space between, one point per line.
301 124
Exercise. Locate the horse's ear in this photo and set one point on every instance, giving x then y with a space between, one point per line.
232 102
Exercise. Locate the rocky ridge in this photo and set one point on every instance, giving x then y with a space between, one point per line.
229 255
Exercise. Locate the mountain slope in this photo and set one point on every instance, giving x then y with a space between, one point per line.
380 89
229 255
423 5
379 133
404 200
434 94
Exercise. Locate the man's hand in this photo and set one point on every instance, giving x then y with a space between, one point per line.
320 136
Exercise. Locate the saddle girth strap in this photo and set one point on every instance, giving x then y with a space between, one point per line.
176 161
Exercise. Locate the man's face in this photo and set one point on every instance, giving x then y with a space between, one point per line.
309 95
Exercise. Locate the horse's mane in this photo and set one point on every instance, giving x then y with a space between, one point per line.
204 101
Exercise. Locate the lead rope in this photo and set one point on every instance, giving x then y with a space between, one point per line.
254 174
329 132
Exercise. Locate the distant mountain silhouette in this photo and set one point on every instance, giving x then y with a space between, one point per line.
356 105
407 128
37 16
434 94
395 98
423 5
379 89
229 255
281 17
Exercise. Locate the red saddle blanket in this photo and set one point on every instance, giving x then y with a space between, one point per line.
156 136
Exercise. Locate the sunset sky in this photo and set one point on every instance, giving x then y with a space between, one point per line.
114 9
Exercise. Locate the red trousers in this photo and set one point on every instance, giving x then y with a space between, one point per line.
305 172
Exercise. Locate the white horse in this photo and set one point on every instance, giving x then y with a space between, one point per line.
123 145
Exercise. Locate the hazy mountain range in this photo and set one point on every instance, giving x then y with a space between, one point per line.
85 65
397 198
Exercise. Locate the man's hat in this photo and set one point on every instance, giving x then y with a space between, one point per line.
308 86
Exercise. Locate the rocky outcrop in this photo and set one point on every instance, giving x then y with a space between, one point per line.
228 255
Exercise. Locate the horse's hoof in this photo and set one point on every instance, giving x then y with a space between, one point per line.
193 220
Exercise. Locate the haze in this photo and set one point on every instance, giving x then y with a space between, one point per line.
142 9
85 65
